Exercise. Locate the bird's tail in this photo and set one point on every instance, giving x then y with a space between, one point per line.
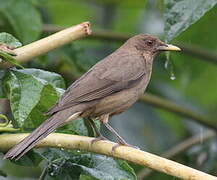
38 134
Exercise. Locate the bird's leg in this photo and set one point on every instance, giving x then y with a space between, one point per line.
98 134
104 120
121 141
90 129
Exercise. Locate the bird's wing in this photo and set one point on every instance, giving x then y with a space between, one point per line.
111 75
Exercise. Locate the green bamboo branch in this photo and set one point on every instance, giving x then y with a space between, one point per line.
58 39
137 156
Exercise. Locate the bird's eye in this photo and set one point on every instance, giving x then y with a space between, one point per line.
149 42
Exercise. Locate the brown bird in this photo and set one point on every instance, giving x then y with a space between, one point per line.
108 88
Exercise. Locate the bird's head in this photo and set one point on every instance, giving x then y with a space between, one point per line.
150 44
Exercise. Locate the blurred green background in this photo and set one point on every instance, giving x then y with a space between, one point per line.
189 79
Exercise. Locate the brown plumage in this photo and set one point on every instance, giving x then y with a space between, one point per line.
108 88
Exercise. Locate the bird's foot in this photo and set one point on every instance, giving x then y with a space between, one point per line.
99 138
120 140
123 143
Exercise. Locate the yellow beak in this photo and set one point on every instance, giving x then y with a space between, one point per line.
169 47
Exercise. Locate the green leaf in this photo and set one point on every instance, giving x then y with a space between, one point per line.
31 159
10 40
9 58
31 93
55 79
194 77
180 14
78 126
26 26
72 164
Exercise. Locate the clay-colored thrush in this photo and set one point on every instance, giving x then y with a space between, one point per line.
108 88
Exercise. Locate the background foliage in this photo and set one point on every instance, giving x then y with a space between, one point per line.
189 23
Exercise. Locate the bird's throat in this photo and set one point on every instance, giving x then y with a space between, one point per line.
148 67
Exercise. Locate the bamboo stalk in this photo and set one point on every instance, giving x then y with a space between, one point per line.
105 147
42 46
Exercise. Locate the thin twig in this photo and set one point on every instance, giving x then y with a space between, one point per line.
67 141
96 34
191 50
179 148
198 52
173 107
43 174
8 129
42 46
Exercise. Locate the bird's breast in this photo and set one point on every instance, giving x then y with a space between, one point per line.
146 78
120 101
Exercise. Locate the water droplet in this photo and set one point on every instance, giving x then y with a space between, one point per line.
51 173
169 66
62 149
172 76
55 166
166 64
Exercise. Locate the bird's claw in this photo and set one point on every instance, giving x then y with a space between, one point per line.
123 144
99 138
